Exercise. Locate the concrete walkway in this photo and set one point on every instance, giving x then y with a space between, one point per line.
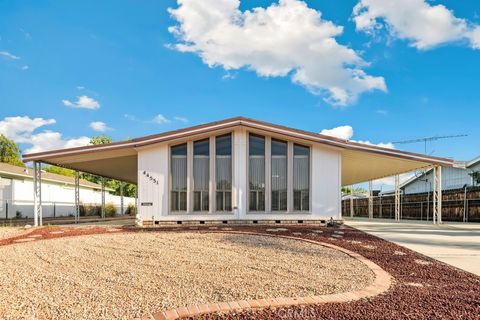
457 244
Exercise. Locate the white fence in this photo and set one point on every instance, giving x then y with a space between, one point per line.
10 209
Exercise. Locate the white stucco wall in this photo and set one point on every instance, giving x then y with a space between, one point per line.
154 161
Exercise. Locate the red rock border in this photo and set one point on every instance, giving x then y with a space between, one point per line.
380 285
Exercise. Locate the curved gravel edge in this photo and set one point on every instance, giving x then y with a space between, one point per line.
381 284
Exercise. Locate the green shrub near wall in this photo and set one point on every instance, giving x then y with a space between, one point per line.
131 210
110 210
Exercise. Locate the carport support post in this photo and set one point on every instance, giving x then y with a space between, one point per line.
397 197
437 195
37 194
103 197
370 200
77 197
351 201
121 198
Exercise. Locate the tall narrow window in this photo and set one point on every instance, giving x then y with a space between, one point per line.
179 177
301 178
223 172
256 172
279 175
201 174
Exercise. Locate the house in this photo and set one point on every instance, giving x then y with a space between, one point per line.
58 193
238 169
461 174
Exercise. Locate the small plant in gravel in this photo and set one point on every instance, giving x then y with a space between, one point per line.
131 210
110 210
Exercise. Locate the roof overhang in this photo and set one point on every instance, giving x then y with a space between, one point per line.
360 162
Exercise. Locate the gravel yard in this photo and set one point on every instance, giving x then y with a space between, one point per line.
426 291
6 232
126 275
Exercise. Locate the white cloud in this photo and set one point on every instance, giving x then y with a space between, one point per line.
423 24
22 130
84 102
383 112
50 140
25 67
8 55
284 39
99 126
475 37
181 119
346 133
160 119
388 145
342 132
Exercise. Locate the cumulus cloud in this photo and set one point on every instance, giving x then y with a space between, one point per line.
23 130
50 140
423 24
284 39
475 37
8 55
84 102
160 119
388 145
20 129
342 132
99 126
346 133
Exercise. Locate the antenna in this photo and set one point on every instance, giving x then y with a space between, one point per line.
425 140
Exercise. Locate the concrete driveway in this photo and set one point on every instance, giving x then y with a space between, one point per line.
457 244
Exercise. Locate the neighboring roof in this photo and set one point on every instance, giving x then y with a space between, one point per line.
473 162
457 164
355 154
21 172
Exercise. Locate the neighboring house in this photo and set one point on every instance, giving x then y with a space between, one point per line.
238 169
463 173
58 193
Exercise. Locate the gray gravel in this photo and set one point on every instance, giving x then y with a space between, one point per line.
123 276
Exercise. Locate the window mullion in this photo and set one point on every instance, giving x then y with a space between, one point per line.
212 183
190 177
290 177
268 174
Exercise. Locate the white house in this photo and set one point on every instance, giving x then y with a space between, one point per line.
461 174
238 169
58 193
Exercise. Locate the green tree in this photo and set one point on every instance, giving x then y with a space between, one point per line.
59 170
129 190
103 139
10 152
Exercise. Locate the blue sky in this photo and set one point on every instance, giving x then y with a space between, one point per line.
120 56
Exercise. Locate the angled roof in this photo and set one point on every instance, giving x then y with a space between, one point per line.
21 172
82 158
473 162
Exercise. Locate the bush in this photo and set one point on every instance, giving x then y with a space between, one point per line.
110 210
89 210
131 210
18 215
